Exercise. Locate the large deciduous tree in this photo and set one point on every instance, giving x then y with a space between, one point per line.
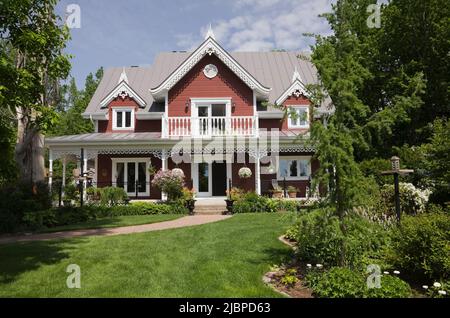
73 104
31 65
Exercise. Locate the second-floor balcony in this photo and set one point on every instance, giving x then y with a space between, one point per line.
244 126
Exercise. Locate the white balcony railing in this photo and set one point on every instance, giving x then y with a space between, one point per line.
210 126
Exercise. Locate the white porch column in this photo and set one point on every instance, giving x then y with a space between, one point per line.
63 182
50 169
257 174
164 167
85 161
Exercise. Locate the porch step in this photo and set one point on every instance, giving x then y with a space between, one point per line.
210 209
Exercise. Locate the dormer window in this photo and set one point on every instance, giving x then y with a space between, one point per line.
123 118
298 117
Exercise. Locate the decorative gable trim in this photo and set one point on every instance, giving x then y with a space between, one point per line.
122 90
209 46
296 89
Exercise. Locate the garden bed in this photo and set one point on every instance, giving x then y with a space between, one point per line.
295 272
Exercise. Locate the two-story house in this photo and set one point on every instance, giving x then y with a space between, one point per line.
204 112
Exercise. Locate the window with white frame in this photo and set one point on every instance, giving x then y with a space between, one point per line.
298 117
123 118
294 168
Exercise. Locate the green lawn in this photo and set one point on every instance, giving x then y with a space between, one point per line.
222 259
115 222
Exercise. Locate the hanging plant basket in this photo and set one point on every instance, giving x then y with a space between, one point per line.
245 173
177 172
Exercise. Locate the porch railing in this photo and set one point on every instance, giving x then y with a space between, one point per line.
210 126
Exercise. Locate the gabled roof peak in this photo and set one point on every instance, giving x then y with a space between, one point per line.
296 76
123 77
210 33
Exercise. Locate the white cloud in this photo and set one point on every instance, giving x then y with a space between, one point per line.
267 24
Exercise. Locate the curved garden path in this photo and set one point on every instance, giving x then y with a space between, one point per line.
181 222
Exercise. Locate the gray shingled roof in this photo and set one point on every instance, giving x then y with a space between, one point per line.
272 69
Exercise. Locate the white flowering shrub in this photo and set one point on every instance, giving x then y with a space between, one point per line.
412 200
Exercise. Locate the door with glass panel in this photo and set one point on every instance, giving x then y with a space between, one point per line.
203 120
211 119
132 177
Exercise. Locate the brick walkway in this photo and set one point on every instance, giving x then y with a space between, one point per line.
181 222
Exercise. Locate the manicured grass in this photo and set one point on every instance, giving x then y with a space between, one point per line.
221 259
115 222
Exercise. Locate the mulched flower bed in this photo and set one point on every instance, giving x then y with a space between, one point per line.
296 290
275 277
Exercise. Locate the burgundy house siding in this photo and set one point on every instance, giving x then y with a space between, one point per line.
196 85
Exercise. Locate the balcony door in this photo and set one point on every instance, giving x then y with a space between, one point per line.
210 116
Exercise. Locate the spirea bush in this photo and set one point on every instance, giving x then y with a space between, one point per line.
169 182
412 199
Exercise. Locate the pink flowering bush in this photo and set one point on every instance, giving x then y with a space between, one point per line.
169 182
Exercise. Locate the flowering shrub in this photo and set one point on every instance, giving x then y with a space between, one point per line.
178 172
412 199
244 173
169 182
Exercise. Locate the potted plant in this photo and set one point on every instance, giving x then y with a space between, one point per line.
232 195
292 191
189 199
277 192
244 173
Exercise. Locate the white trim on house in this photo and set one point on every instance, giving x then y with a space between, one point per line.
209 46
122 90
123 109
136 175
96 116
299 125
196 102
298 158
297 88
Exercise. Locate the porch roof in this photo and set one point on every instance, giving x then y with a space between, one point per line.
137 138
151 142
103 138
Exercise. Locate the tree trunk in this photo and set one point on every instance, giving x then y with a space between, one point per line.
29 152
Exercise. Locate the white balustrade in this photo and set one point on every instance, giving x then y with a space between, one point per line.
209 126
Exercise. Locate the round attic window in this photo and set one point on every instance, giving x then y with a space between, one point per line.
210 70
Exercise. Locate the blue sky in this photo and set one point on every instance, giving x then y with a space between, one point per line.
132 32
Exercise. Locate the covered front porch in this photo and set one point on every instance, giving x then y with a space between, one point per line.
129 160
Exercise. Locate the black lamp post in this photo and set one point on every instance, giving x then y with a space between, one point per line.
396 171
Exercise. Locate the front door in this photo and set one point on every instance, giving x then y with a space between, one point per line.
219 180
210 179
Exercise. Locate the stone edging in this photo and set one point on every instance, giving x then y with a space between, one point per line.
267 277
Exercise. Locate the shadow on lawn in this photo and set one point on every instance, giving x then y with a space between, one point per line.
19 258
99 223
274 255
